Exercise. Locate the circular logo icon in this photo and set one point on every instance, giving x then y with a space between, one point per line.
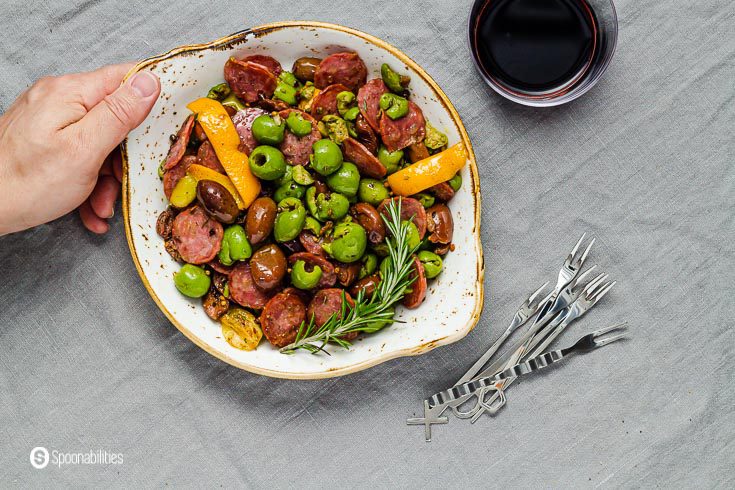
39 457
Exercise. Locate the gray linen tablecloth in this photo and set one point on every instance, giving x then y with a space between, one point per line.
644 162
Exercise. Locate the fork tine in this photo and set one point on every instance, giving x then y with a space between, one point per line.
586 273
586 251
576 247
537 292
597 296
600 343
594 282
602 331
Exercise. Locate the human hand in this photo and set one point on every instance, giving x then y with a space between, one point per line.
58 146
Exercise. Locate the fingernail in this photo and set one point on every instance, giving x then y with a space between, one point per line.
112 214
144 84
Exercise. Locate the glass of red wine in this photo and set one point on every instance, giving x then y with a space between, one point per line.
542 52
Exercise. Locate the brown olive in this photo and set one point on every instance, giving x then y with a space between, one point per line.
165 223
217 201
268 267
440 224
366 135
260 219
347 273
367 284
304 68
369 218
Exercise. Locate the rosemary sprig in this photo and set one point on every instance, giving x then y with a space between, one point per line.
366 315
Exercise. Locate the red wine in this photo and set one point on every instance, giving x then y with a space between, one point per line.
535 46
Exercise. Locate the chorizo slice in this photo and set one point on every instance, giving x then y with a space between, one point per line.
329 276
410 208
405 131
178 148
197 236
243 121
249 81
312 243
368 101
325 102
208 158
369 218
366 162
417 293
219 267
172 176
345 68
443 191
327 303
282 317
297 149
440 224
272 64
243 289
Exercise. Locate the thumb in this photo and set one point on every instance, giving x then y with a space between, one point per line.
110 121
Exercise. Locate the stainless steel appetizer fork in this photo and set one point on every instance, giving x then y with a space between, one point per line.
585 344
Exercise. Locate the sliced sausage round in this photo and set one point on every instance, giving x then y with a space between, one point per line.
369 218
312 243
208 158
197 236
327 303
366 162
178 148
243 121
440 224
344 68
368 101
282 317
297 149
249 81
243 289
405 131
410 207
272 64
325 102
329 276
417 293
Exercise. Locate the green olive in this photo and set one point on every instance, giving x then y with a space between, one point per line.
235 245
290 219
349 242
161 171
372 191
395 82
455 182
287 176
288 78
289 189
335 128
302 176
344 101
381 249
311 224
327 157
434 139
432 263
394 106
232 101
285 92
267 163
412 235
426 200
351 114
219 92
369 264
298 125
267 130
326 207
184 192
376 325
390 160
303 279
192 281
346 180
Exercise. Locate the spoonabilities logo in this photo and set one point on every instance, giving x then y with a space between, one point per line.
39 457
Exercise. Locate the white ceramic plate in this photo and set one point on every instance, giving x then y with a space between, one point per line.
454 300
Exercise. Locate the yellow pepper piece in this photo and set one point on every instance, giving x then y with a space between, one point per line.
428 172
224 138
200 172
